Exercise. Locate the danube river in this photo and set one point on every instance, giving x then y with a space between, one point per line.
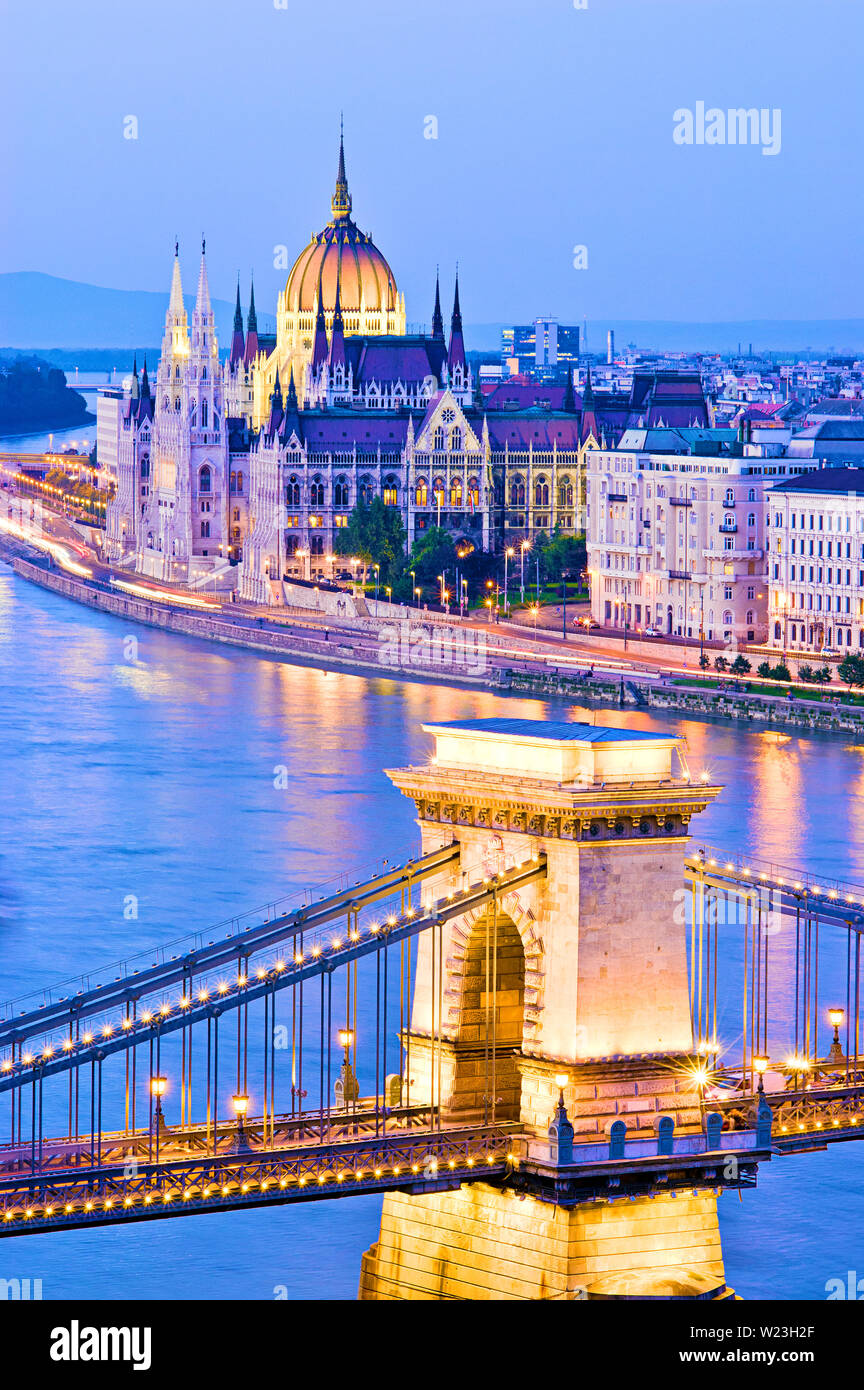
149 773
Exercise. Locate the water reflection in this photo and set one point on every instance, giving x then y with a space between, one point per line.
153 773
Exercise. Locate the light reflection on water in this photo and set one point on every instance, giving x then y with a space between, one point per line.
155 778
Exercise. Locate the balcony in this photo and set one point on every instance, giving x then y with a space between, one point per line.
681 574
728 502
616 497
680 502
728 528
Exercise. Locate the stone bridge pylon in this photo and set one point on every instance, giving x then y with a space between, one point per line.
581 973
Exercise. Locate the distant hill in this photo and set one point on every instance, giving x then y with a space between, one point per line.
43 311
46 313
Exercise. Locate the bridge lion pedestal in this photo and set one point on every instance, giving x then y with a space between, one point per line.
577 982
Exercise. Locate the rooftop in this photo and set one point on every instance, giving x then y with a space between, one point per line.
828 480
556 731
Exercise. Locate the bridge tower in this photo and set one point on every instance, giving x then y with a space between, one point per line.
582 974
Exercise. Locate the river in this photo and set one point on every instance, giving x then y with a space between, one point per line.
150 772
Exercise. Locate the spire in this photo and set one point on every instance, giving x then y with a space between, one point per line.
145 383
175 339
340 203
437 317
320 346
175 303
238 342
202 303
337 337
291 419
276 410
136 390
569 397
251 330
456 354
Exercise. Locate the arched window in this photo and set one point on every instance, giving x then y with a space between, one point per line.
421 493
205 415
292 491
541 493
166 404
456 440
565 493
456 492
438 492
240 481
177 405
749 615
391 492
751 495
203 373
316 493
340 493
474 492
366 491
291 543
145 466
205 529
233 484
440 443
727 619
204 479
517 492
751 519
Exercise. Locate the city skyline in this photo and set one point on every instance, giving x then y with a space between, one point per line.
525 167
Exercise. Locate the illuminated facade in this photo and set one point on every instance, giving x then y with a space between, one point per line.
815 530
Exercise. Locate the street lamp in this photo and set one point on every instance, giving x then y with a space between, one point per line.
761 1065
413 574
836 1018
240 1102
508 555
526 545
347 1080
158 1087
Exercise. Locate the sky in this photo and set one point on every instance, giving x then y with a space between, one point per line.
555 123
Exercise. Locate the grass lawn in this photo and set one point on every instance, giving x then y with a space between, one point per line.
821 694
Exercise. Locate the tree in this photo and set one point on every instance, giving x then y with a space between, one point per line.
721 663
781 672
807 674
375 534
822 675
704 661
851 669
741 666
765 669
562 552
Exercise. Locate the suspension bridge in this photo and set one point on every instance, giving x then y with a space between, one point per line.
559 1019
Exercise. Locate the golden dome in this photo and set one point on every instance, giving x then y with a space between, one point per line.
342 255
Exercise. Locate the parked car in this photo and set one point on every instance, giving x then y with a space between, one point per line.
828 651
651 632
587 623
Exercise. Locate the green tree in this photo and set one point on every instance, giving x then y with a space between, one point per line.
781 672
376 536
807 674
721 663
704 661
741 666
822 675
851 669
765 669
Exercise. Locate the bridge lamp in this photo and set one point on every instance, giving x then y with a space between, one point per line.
158 1087
836 1017
561 1079
761 1065
346 1087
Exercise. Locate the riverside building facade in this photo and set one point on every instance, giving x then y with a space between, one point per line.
676 534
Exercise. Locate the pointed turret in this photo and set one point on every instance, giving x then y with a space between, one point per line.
175 339
569 395
204 345
145 383
340 203
276 407
456 354
291 419
251 330
437 316
337 337
238 341
136 389
320 347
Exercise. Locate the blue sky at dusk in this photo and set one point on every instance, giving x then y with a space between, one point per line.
554 130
